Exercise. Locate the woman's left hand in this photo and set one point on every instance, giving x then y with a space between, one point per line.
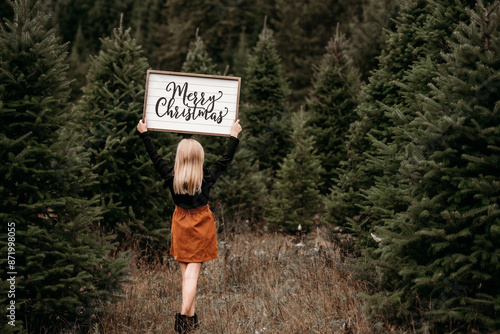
142 126
236 128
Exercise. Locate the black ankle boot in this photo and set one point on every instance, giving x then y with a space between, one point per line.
193 321
185 324
181 325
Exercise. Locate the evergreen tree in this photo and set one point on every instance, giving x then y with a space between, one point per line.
437 25
296 197
146 17
78 61
302 29
220 21
332 102
429 35
441 253
182 20
241 194
368 30
264 99
63 266
165 28
198 59
112 102
347 204
240 56
368 192
96 17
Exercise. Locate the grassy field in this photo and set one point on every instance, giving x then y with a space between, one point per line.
259 284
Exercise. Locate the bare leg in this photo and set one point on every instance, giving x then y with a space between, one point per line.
190 273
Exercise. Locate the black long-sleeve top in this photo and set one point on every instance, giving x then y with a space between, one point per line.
210 176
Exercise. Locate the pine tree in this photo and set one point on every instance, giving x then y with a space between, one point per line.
96 17
131 195
146 17
443 250
78 61
302 29
436 30
63 266
198 59
182 20
220 22
383 198
332 101
296 197
368 191
240 195
369 31
265 109
240 55
347 204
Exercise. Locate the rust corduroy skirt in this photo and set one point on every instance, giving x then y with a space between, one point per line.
193 235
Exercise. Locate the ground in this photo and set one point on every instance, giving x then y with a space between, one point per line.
259 284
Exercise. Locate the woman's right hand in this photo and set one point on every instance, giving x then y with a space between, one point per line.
236 129
142 126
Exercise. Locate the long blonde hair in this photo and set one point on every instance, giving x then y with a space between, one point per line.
188 167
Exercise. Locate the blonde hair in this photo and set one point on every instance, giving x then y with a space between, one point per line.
188 167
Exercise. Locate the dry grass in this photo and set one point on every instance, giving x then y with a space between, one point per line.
259 284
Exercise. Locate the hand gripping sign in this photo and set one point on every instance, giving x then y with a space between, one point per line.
191 103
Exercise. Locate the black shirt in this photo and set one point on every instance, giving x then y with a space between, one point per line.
211 175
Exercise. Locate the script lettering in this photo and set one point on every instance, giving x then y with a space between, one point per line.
181 103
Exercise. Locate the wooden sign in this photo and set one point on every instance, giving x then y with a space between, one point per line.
191 103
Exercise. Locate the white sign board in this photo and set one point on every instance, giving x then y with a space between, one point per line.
191 103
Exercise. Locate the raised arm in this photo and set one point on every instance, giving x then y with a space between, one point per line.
223 163
236 128
159 164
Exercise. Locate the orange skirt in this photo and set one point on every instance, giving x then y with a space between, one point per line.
193 235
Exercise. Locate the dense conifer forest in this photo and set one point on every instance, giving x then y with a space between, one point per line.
380 119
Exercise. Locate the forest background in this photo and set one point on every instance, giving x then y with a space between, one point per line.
380 118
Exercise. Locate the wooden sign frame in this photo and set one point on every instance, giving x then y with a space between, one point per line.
191 103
